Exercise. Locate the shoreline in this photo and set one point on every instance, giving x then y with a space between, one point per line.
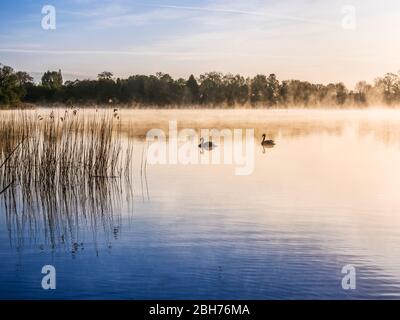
34 106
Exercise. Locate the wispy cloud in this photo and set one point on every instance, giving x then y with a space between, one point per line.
105 52
182 54
117 15
250 13
139 19
109 10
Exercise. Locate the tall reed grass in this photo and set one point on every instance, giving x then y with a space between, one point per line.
61 171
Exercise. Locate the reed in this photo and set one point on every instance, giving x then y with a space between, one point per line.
56 149
60 171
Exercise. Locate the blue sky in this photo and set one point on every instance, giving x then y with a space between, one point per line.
301 39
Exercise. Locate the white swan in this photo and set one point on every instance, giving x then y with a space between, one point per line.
208 145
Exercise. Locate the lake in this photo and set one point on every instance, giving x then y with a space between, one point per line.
325 196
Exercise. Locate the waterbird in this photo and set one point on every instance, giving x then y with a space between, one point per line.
208 145
267 143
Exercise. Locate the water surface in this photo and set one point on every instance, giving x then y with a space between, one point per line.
325 196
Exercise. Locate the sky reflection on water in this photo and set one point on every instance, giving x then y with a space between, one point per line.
325 196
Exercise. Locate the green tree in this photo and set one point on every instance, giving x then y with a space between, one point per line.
10 90
193 89
258 90
272 89
235 89
52 80
24 79
105 75
210 89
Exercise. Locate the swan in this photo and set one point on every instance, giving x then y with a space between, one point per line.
267 143
208 145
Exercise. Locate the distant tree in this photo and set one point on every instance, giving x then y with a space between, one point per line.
258 90
25 82
211 88
24 79
265 90
193 89
298 93
235 89
10 89
362 92
52 80
341 94
166 90
105 75
272 89
284 94
389 88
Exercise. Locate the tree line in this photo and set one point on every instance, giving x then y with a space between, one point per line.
209 89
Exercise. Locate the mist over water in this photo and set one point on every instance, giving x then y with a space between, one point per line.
325 196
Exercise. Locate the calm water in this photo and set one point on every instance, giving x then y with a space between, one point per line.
325 196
